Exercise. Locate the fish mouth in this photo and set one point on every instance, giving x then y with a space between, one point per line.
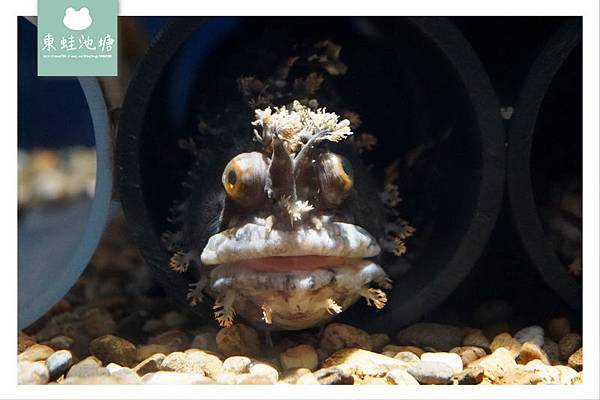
292 279
305 245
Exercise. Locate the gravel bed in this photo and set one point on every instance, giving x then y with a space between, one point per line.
116 327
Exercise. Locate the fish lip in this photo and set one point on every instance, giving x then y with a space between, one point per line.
253 241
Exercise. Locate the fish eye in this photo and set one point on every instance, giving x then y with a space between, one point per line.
336 177
244 178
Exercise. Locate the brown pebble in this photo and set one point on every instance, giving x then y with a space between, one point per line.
551 349
145 351
407 356
397 349
301 356
333 376
338 336
431 335
110 348
379 341
174 340
477 339
576 360
60 342
238 339
36 352
472 375
468 354
150 364
505 340
569 344
531 351
558 328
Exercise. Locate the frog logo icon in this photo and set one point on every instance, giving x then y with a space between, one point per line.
77 20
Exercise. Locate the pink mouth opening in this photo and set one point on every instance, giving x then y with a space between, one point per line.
289 263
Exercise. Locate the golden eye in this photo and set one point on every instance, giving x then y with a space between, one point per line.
336 177
244 178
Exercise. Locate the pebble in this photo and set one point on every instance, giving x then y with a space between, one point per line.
85 369
173 340
24 342
406 356
98 322
542 373
204 341
175 378
531 351
145 351
568 345
551 349
338 336
334 376
477 339
568 376
431 372
506 341
438 336
497 364
180 362
468 354
61 342
291 376
225 378
472 375
363 362
36 352
533 334
264 371
400 377
110 348
237 364
301 356
372 380
59 363
32 373
452 360
576 360
247 379
558 328
150 364
307 379
124 374
210 363
379 341
238 339
92 380
397 349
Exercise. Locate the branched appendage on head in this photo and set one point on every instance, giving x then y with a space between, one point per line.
224 311
377 296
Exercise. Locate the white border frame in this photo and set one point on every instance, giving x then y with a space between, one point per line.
587 8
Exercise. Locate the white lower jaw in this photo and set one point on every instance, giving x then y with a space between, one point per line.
294 299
